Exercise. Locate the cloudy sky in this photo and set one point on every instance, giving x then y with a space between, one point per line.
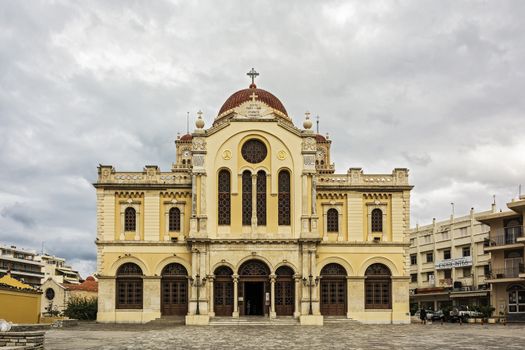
435 86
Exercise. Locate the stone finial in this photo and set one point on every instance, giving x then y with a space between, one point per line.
307 124
199 123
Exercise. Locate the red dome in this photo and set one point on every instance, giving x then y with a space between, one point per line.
242 96
320 138
186 137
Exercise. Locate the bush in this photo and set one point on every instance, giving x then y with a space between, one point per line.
82 308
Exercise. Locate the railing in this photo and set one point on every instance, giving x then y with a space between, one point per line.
507 235
507 272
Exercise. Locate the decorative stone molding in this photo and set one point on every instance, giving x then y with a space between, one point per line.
129 203
339 207
198 144
168 205
309 144
383 206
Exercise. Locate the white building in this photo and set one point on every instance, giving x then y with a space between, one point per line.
56 268
23 264
448 264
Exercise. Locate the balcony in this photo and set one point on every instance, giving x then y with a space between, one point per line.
505 273
504 237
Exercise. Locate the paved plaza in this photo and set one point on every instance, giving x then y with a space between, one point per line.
336 336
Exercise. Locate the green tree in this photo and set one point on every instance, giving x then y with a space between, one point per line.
82 308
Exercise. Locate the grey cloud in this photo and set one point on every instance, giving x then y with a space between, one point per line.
432 86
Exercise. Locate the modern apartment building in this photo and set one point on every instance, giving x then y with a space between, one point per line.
448 263
56 268
23 264
506 245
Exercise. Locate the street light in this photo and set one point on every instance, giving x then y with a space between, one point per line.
198 282
310 282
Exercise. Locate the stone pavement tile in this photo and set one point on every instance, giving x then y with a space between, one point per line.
345 336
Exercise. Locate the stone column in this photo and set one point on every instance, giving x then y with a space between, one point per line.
254 203
211 310
167 223
297 296
137 224
151 304
235 296
400 300
355 293
272 296
122 225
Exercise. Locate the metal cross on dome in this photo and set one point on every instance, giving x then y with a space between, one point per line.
252 74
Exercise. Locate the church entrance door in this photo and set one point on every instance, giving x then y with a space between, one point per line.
333 290
254 288
174 290
284 292
254 298
223 291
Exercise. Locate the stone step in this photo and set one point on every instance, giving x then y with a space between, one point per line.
338 320
253 321
169 320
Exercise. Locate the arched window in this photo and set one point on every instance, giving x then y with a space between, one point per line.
129 287
378 287
224 197
246 198
283 206
377 220
332 220
130 219
174 217
261 198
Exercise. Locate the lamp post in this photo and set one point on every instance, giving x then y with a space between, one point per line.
198 282
310 282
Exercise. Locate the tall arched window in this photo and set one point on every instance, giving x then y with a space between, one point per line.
246 198
332 220
130 219
377 220
224 197
378 287
283 206
129 287
261 198
174 217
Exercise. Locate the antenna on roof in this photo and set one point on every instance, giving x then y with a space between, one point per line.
187 122
42 247
452 204
494 199
317 122
519 191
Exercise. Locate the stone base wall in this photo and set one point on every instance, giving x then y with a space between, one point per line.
22 340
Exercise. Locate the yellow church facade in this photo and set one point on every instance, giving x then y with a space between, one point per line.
252 220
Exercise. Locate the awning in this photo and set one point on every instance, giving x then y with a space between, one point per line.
470 294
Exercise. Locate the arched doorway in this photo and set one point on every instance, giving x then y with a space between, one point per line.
223 291
174 290
333 290
284 291
254 289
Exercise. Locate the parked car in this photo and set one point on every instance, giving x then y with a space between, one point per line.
438 315
463 313
430 313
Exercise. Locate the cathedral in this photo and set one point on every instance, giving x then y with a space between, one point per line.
252 221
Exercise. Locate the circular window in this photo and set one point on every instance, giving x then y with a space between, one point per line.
254 151
50 294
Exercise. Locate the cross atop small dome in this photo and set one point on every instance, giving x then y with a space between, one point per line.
252 74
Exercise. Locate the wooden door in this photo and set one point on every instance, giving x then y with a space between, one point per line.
174 296
333 297
284 297
223 297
